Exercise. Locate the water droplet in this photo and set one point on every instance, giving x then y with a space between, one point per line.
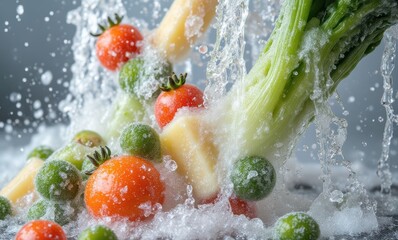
351 99
20 9
38 114
171 165
26 44
46 78
381 119
336 196
46 19
203 49
15 97
36 104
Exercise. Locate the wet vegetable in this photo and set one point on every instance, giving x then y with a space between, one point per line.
296 226
41 229
97 233
141 140
253 178
5 208
42 152
89 138
124 187
117 43
58 181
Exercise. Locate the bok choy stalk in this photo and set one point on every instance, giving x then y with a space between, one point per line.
315 45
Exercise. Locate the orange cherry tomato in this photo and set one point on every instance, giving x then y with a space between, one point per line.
124 186
41 230
238 206
117 45
168 103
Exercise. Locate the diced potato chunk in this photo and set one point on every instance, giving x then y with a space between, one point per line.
185 21
191 146
23 183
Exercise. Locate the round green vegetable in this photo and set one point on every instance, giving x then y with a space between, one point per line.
296 226
5 208
42 209
253 178
131 72
89 138
141 140
73 153
58 181
42 152
98 232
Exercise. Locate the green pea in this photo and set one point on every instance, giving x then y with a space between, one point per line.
5 208
58 181
98 232
253 178
131 72
141 140
89 138
296 226
43 209
42 152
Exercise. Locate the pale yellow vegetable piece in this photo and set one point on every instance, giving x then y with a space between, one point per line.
185 21
23 183
190 144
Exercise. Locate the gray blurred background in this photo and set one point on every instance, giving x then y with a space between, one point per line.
35 61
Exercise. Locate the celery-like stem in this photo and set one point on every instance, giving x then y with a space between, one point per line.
307 56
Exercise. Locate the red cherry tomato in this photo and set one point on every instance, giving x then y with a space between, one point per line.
124 186
41 230
117 45
238 206
168 103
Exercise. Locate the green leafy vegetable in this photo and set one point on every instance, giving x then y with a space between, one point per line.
315 45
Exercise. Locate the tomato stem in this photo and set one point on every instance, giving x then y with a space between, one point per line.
98 158
174 82
111 23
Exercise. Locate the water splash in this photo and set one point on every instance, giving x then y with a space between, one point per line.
227 64
387 67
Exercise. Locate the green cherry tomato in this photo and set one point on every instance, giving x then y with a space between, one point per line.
141 140
5 208
42 152
296 226
73 153
89 138
253 178
98 232
58 181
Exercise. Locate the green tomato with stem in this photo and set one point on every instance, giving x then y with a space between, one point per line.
296 226
253 177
